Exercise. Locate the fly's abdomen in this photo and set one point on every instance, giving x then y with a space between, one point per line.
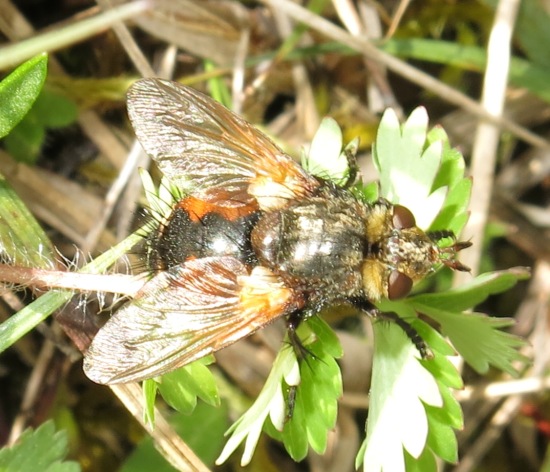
194 233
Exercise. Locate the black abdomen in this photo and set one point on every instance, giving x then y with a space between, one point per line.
186 236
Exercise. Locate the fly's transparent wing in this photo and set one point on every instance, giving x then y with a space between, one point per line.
181 315
210 151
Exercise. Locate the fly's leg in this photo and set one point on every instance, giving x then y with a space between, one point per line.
370 310
291 402
292 322
353 170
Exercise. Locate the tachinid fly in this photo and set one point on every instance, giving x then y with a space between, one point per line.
256 238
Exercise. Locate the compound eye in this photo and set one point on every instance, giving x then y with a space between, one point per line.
399 285
402 217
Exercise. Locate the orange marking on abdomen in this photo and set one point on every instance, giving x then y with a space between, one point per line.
197 209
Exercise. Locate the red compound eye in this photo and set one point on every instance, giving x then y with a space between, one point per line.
402 217
399 285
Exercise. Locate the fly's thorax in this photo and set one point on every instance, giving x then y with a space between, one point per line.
316 244
399 252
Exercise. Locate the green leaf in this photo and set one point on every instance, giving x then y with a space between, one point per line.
475 336
408 170
531 31
453 214
424 463
149 388
318 385
25 141
478 338
270 403
23 242
316 401
441 436
400 387
325 158
472 293
54 110
19 90
181 387
530 75
43 449
50 110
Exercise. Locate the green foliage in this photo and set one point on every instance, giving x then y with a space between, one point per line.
23 242
43 449
181 388
412 411
529 74
327 158
27 110
316 401
407 167
531 30
19 90
475 336
50 110
318 386
412 414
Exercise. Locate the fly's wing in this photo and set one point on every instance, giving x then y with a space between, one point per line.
181 315
210 151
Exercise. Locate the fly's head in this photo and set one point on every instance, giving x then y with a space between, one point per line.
400 254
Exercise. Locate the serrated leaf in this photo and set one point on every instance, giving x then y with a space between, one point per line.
320 389
174 389
407 170
472 293
441 435
316 403
479 340
425 463
180 388
454 213
325 158
443 370
451 170
316 397
476 337
451 412
249 426
43 449
326 336
432 337
19 90
295 437
400 387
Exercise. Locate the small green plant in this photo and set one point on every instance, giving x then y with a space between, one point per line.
28 109
42 449
19 91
